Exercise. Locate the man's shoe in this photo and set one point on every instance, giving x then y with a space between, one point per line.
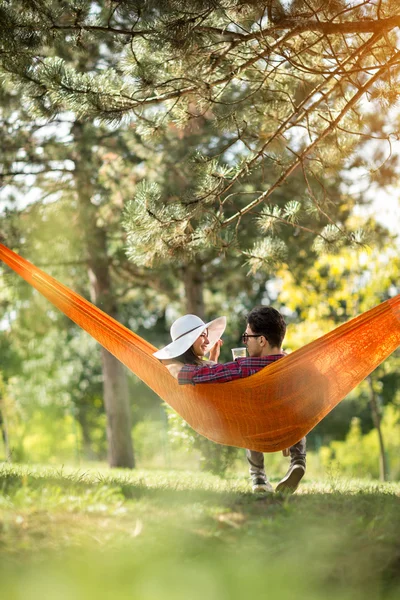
263 486
290 482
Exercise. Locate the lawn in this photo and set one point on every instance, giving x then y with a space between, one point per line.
144 535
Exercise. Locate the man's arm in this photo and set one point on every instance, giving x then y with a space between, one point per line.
217 373
192 374
220 373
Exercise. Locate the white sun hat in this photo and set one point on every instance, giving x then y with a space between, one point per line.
185 331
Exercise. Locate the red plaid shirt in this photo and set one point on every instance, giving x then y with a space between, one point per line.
220 373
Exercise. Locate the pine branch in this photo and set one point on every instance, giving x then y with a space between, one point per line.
24 172
125 102
293 26
298 161
301 111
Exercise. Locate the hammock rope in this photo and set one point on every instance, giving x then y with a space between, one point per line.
269 411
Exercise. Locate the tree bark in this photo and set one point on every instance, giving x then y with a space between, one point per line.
115 385
383 469
193 281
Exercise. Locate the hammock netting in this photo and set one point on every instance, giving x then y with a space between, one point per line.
269 411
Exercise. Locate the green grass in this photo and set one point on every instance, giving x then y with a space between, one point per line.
150 535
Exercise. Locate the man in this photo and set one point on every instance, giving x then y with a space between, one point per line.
263 337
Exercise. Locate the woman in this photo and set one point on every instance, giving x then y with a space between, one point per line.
192 339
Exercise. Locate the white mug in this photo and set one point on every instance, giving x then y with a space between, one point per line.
239 353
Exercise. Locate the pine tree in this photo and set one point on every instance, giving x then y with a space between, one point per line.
63 160
176 218
276 76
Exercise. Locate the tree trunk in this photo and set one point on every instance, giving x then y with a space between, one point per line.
193 281
4 435
115 385
383 470
86 439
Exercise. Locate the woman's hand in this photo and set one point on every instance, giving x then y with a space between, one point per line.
215 351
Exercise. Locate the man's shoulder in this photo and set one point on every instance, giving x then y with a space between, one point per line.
224 372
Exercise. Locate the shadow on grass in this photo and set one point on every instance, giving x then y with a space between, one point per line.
12 480
368 500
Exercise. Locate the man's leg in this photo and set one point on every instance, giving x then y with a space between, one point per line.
296 470
259 479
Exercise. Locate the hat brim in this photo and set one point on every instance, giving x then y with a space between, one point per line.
215 330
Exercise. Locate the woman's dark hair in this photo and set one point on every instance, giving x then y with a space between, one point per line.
268 322
190 358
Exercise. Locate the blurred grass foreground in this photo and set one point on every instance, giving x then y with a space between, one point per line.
169 535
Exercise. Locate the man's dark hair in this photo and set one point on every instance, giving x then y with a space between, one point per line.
268 322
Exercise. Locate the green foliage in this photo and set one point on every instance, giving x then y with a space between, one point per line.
336 288
55 396
151 443
214 458
48 438
155 231
269 252
358 455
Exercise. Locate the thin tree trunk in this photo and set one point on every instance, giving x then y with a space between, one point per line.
115 385
193 281
86 439
4 435
116 400
383 469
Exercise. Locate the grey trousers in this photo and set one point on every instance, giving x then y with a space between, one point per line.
256 459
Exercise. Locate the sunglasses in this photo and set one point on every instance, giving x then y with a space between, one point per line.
246 336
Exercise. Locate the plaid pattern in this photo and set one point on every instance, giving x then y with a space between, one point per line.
221 373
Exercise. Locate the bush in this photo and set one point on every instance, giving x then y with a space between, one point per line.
214 457
150 442
47 439
358 455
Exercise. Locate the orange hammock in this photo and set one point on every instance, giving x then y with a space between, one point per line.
268 411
